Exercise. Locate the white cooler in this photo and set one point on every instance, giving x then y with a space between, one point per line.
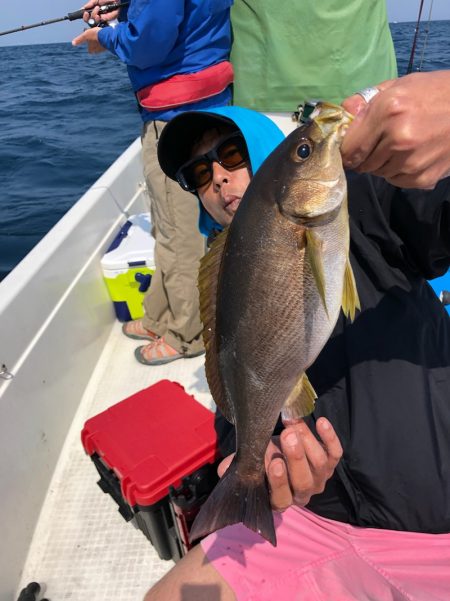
128 266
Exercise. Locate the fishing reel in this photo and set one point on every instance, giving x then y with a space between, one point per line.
93 23
103 10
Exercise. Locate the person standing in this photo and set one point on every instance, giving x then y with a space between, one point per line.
176 52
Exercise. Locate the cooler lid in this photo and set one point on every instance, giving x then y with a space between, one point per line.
152 440
133 245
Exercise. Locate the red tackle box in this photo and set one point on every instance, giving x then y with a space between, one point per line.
156 453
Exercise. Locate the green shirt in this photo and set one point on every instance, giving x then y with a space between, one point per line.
287 51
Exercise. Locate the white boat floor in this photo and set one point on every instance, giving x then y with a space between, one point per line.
82 547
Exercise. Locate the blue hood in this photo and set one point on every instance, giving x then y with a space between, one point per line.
261 135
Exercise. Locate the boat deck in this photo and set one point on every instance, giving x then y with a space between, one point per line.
82 547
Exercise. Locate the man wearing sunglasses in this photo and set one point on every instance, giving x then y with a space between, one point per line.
213 154
368 519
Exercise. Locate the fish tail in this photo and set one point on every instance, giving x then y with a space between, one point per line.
233 501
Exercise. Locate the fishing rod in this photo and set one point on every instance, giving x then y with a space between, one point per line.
78 14
427 32
413 49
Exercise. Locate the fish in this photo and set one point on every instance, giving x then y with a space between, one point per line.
271 289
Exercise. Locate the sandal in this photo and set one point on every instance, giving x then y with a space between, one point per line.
135 329
159 353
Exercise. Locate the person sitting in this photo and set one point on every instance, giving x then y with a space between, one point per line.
361 487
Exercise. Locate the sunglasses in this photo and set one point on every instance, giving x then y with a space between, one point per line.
230 153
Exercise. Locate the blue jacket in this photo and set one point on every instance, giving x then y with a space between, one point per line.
261 135
161 38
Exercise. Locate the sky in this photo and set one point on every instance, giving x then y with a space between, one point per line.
27 12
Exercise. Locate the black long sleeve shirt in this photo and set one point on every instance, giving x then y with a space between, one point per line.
384 380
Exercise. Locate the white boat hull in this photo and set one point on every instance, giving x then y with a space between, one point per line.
62 344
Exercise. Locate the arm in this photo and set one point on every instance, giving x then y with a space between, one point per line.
145 39
421 218
90 36
298 465
403 135
149 34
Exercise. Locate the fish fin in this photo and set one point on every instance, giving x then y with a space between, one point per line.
301 400
350 298
314 254
208 279
233 501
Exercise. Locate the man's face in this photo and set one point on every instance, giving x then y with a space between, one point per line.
222 195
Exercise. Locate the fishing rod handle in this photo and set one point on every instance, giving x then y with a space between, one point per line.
78 14
105 8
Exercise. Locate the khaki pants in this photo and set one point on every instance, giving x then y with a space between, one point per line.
172 303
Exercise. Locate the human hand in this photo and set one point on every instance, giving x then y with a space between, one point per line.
403 134
297 464
89 37
93 6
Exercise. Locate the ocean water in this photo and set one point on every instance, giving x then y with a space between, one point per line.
65 116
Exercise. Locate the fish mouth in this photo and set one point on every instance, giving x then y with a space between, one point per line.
331 118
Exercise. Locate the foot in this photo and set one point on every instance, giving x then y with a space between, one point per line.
159 353
135 329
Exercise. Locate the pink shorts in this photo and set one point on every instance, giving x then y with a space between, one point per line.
322 560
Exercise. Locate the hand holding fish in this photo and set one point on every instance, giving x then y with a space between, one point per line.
403 134
305 464
298 465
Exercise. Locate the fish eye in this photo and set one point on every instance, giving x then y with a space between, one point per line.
304 150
